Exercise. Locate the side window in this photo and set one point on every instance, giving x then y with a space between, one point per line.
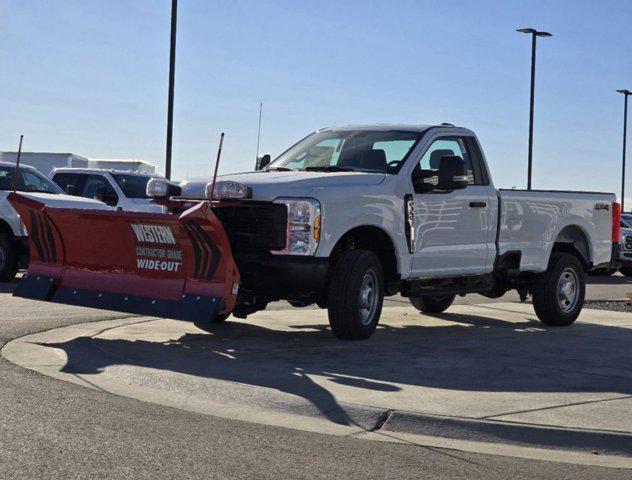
427 170
70 182
98 188
34 183
395 150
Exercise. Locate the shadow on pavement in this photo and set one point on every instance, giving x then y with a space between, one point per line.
8 287
616 279
474 353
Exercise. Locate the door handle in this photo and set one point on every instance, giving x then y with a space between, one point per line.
478 204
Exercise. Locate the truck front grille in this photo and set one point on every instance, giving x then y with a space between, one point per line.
627 245
254 227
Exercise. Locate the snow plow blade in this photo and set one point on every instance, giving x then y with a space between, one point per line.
142 263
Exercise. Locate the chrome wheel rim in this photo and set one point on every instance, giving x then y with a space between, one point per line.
568 290
368 300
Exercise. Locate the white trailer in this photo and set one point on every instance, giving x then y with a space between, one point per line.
45 162
127 165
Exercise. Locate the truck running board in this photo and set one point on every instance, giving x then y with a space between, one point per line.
142 263
449 285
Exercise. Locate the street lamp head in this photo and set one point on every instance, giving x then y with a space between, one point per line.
533 31
625 92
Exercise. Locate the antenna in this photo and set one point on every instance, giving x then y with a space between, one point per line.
259 131
219 153
17 166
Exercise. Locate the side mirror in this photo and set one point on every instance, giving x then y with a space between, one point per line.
453 173
161 188
72 190
262 162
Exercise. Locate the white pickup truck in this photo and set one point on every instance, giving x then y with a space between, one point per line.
123 190
13 236
348 215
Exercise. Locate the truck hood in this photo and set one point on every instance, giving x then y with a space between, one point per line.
66 201
271 185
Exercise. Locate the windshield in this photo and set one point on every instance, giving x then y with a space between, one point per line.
29 181
626 221
133 186
351 150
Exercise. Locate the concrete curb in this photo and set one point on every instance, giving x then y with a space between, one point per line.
493 431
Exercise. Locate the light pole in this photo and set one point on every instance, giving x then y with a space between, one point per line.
626 94
172 67
534 34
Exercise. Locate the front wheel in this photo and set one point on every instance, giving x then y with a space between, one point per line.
356 294
432 304
558 293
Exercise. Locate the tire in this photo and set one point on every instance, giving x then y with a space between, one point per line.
357 274
626 271
432 304
220 318
558 293
8 258
211 326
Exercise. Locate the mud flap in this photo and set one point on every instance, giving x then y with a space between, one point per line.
142 263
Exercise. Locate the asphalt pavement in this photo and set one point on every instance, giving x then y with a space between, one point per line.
56 429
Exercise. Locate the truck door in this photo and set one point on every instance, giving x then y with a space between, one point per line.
454 231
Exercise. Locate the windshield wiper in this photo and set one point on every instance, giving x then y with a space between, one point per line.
328 168
280 169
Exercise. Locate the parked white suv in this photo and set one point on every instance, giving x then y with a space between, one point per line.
351 214
13 236
121 189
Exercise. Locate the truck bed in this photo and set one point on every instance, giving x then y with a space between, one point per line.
531 221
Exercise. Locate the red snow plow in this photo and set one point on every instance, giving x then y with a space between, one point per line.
174 266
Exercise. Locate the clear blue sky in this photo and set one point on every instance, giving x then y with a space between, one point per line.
90 77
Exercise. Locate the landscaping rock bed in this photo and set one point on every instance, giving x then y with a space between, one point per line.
613 305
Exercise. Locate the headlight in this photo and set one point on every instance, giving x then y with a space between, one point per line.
303 226
227 189
161 188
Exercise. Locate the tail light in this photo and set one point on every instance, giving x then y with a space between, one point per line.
616 222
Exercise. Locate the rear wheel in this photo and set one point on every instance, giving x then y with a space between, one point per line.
627 271
356 294
558 293
432 304
8 258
